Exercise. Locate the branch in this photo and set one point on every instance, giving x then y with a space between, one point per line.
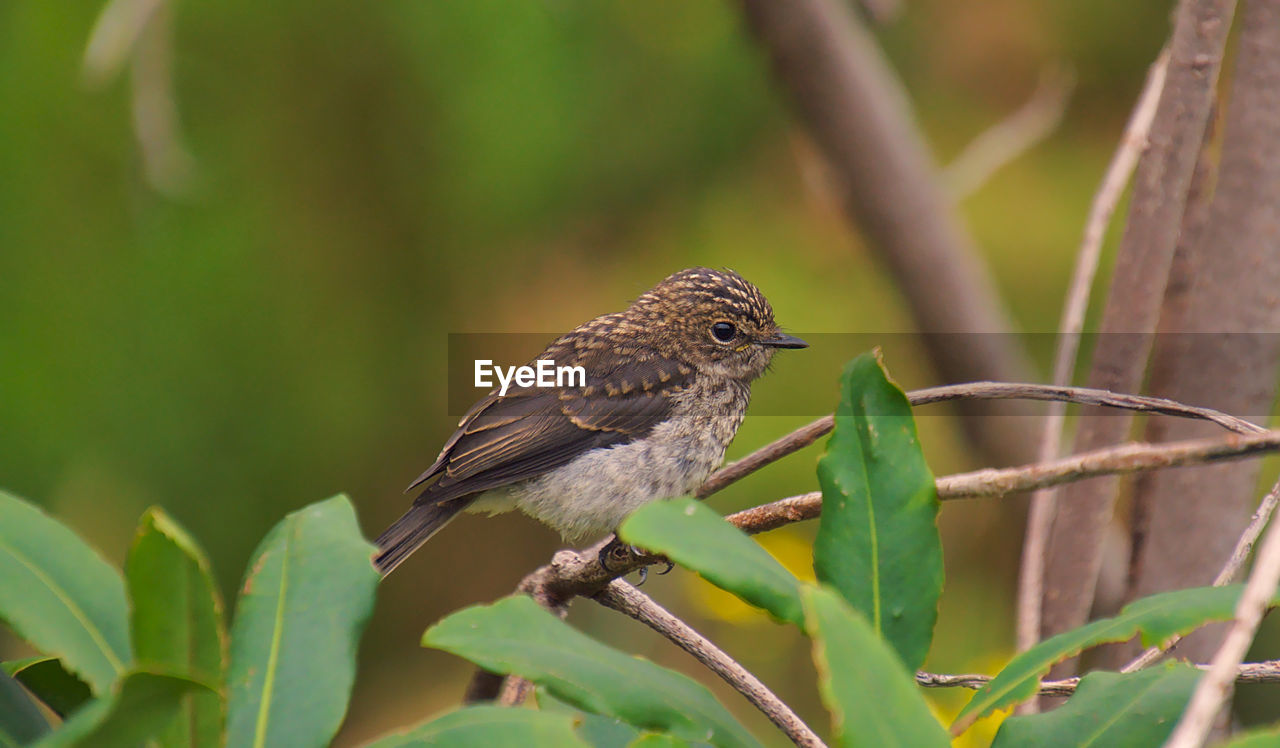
1215 688
810 433
1073 556
1244 546
1127 458
858 114
1011 137
1040 517
626 599
1250 672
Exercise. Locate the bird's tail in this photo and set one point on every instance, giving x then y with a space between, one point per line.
408 533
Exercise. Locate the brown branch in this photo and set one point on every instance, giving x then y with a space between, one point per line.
1011 137
1240 554
994 482
1250 672
1214 689
1040 514
858 114
810 433
630 601
1129 319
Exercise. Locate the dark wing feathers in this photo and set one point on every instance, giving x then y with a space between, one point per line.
530 431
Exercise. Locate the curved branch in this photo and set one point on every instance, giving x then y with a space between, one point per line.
1127 458
630 601
810 433
1249 672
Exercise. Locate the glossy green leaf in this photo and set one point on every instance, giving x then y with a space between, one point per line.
51 683
489 726
1157 618
1109 709
878 542
176 622
59 594
305 600
142 705
689 533
873 699
515 635
1265 738
20 719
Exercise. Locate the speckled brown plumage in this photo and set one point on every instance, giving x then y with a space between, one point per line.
663 398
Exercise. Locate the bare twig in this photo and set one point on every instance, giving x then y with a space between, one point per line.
1012 136
1244 546
626 599
1040 516
1250 672
992 482
810 433
1215 687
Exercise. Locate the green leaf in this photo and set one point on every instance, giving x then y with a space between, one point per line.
488 726
514 635
659 740
1268 737
57 593
141 706
878 542
872 697
1109 709
692 535
20 719
597 730
1157 617
177 622
305 600
51 683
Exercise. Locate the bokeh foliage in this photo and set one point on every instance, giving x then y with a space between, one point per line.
372 177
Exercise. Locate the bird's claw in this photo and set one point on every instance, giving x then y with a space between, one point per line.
620 552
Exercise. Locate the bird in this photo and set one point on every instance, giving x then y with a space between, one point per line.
667 383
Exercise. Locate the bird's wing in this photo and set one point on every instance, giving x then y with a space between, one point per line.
530 431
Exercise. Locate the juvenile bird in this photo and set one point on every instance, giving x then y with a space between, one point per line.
667 385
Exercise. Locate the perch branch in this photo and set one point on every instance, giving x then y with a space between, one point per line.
810 433
1127 458
630 601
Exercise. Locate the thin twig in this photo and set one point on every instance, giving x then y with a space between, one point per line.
1011 137
1040 515
1250 672
992 482
811 432
626 599
1215 687
1244 546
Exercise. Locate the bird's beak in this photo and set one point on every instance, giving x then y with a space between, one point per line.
783 340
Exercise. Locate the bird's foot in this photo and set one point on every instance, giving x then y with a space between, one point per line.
618 553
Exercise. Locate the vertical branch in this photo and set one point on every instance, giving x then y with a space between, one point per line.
1039 520
1225 352
1074 555
858 114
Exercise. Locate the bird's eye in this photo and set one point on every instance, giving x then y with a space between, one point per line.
723 331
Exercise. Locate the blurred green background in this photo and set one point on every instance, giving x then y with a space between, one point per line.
270 328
